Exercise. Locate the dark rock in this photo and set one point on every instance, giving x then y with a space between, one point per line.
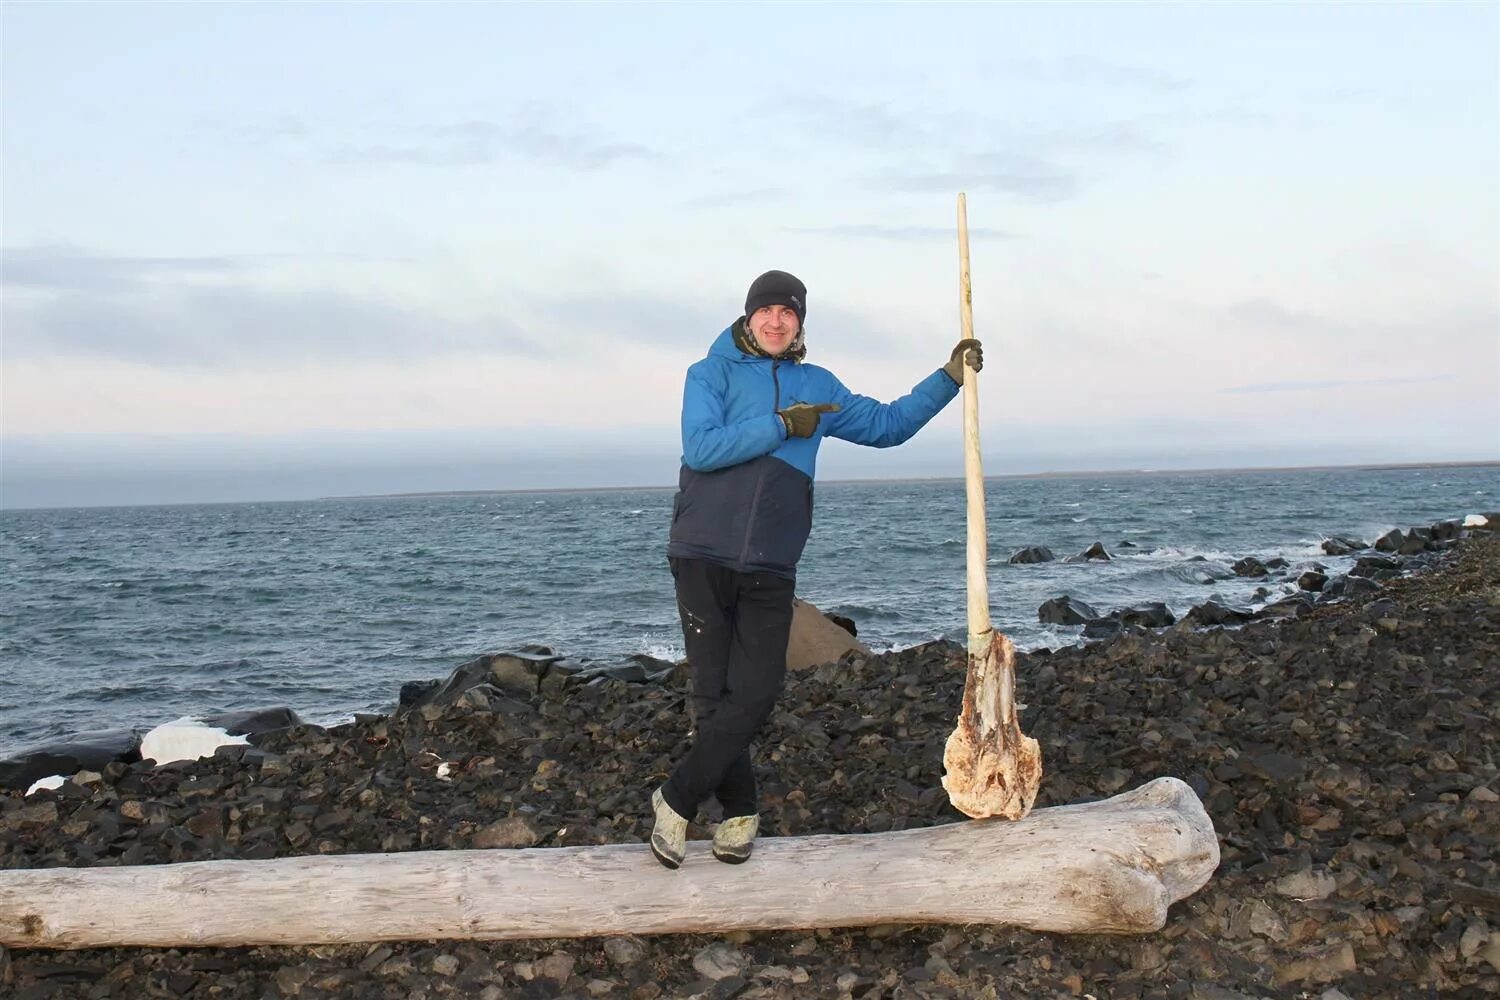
1287 607
413 692
1277 563
252 722
1214 613
1152 614
1442 531
1032 554
1341 546
1312 580
1102 628
1250 566
842 621
1370 565
1094 553
1391 541
1065 610
1126 544
517 673
1414 544
1358 586
89 751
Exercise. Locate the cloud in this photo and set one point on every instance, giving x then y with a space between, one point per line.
69 269
64 268
727 199
875 231
1024 175
1341 383
1090 70
214 312
534 133
856 122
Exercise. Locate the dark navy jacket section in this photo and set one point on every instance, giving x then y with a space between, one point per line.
745 492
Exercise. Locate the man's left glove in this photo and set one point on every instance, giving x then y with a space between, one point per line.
967 352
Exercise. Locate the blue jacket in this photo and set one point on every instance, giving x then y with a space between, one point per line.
745 492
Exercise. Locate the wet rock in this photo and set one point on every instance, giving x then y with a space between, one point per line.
1152 614
1312 580
1032 554
92 751
1250 566
1094 553
1065 610
1213 613
1340 546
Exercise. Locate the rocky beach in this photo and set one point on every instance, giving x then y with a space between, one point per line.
1343 748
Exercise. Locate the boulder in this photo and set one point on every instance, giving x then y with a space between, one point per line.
1370 566
1443 531
520 673
815 639
1277 563
1102 628
253 722
1358 586
1391 541
1032 554
1215 613
1094 553
1153 614
1312 580
1287 607
1250 566
1341 546
1414 544
1065 610
87 751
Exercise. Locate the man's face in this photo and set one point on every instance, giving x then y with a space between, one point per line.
774 328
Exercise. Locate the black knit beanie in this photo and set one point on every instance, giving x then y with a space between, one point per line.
777 288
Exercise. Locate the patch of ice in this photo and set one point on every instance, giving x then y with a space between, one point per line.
185 739
51 781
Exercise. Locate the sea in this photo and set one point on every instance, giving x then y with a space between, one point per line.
115 617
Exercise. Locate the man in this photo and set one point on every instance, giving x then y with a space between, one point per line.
753 415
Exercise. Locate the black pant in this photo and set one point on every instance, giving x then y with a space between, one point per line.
735 626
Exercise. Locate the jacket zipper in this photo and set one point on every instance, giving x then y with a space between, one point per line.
760 476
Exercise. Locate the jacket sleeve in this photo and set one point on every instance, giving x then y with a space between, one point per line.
708 443
867 421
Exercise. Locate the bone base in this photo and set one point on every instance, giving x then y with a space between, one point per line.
1112 866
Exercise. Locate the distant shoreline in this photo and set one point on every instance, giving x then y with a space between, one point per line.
1061 474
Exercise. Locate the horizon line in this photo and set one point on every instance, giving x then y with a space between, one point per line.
1053 474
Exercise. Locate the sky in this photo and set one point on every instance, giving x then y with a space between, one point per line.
282 251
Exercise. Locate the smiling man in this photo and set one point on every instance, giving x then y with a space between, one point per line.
753 415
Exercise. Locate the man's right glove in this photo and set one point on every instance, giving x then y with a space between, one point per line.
801 419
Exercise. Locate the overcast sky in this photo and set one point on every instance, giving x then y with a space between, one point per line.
270 251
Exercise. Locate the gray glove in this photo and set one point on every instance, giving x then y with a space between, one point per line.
801 419
967 352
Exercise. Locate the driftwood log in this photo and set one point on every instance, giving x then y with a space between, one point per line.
1112 866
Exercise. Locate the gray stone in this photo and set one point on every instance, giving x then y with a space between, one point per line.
719 961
